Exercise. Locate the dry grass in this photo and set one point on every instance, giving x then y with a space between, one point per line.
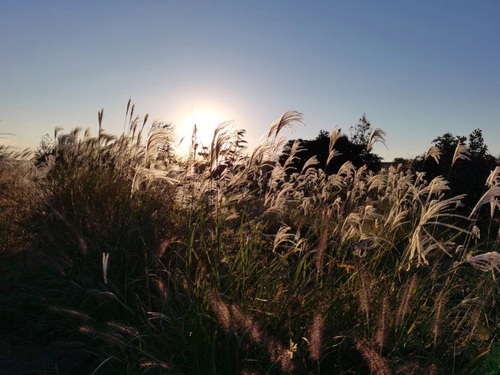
223 262
315 343
378 365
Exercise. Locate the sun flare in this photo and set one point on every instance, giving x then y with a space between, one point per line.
206 122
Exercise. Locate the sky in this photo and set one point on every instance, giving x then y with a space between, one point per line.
416 69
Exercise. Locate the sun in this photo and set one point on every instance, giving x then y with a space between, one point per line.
206 122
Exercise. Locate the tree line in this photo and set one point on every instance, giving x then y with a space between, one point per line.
464 161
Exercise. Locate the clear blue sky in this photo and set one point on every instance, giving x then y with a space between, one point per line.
418 69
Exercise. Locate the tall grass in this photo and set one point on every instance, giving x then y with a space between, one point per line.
133 259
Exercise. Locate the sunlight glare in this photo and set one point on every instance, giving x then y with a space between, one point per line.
206 122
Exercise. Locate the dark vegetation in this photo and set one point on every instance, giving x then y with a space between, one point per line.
356 149
118 256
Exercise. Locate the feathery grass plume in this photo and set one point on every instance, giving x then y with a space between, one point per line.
320 250
110 338
87 135
399 189
433 152
335 134
494 178
246 324
57 130
220 309
475 318
143 174
436 187
476 232
383 323
123 329
487 262
232 318
279 201
378 365
159 139
365 293
75 314
139 134
100 116
162 289
409 368
294 150
126 115
492 196
280 355
378 182
432 214
312 161
461 152
260 151
285 121
146 117
347 170
420 245
315 342
133 129
377 135
131 115
283 236
222 135
19 190
406 296
278 176
351 228
152 365
105 264
106 138
439 303
473 311
396 218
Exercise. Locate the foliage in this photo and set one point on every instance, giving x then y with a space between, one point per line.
465 166
122 257
357 149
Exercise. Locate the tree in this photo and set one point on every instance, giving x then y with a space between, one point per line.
447 143
466 176
476 144
360 133
354 149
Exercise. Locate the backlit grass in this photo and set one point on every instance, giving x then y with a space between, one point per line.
133 259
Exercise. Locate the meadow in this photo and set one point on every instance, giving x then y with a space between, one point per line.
118 256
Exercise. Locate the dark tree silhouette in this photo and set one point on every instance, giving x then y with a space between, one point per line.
465 175
477 147
354 149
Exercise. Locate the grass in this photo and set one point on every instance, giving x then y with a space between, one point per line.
119 256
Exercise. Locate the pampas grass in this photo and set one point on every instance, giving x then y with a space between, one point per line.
461 153
224 261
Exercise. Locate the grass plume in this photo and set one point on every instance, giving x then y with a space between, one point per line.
131 258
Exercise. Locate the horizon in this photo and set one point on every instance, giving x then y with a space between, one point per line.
417 71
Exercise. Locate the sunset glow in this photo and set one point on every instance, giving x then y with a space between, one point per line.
415 69
250 187
206 122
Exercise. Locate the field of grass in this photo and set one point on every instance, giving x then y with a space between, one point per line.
118 256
